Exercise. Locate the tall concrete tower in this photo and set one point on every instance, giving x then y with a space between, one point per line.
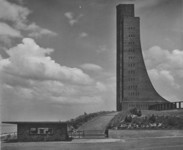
134 88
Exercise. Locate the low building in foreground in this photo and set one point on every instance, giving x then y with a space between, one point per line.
41 131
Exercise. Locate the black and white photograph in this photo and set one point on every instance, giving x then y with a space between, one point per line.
91 74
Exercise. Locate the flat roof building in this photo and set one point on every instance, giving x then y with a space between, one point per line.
41 131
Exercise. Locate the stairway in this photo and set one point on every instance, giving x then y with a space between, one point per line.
95 128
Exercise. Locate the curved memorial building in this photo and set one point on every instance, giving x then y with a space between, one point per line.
134 88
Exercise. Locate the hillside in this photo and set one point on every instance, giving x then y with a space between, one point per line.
81 120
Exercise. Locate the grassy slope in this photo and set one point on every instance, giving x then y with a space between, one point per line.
84 119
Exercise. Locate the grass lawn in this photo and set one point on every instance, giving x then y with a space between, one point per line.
173 143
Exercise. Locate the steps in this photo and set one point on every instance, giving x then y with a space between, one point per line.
95 128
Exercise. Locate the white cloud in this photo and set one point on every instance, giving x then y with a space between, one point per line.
5 41
176 59
163 76
83 34
6 30
36 31
30 61
156 53
72 18
16 16
165 69
41 32
80 100
30 72
145 3
54 91
164 59
91 67
13 12
69 15
102 48
6 33
180 73
101 86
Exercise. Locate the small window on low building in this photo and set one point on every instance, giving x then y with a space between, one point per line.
41 131
33 130
50 131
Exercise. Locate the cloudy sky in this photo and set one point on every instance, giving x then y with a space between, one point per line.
57 57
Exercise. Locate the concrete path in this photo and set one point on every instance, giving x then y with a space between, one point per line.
98 123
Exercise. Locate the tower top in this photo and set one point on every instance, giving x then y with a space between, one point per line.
125 10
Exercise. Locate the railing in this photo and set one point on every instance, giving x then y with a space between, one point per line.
87 134
167 106
76 134
72 134
8 136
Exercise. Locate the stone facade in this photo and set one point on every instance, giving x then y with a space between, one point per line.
134 88
38 131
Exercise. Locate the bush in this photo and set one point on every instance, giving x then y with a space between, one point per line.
175 122
152 119
128 118
136 111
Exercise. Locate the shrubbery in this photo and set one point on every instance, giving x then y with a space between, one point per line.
135 111
152 119
128 118
133 119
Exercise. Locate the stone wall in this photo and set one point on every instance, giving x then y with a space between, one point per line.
124 134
